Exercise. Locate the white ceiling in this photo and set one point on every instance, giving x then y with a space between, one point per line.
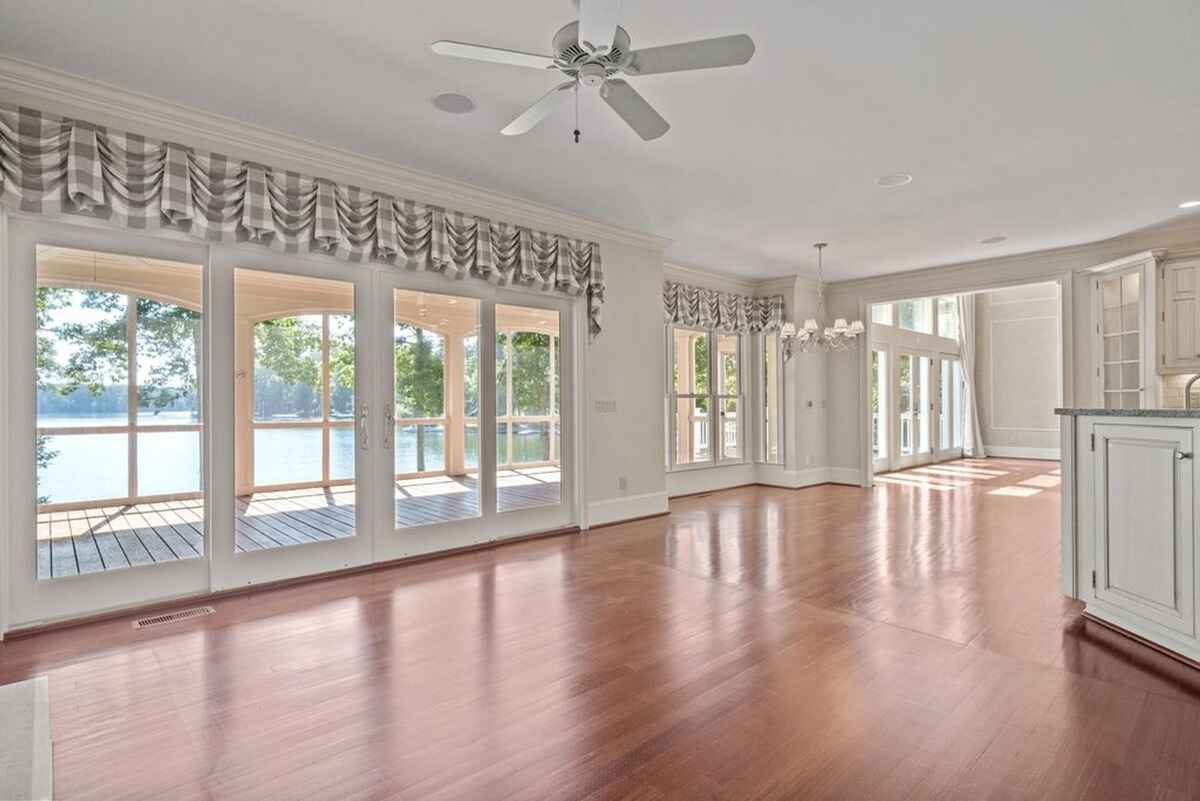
1050 123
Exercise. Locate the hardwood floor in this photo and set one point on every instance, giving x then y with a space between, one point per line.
908 642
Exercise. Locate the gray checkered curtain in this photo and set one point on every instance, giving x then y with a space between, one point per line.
696 307
55 165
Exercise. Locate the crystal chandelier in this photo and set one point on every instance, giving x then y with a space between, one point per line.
813 337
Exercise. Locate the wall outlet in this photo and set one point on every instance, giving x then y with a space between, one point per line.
622 484
604 406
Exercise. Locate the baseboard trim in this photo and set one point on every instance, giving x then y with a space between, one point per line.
845 475
1015 452
777 476
629 507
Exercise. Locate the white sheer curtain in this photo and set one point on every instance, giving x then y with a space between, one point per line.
972 433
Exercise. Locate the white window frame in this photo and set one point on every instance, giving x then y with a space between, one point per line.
717 456
760 360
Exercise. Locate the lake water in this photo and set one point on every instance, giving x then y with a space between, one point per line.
94 466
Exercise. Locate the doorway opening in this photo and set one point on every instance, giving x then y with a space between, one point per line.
965 375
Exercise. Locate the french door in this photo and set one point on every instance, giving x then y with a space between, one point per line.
107 500
918 410
474 442
291 420
915 386
182 419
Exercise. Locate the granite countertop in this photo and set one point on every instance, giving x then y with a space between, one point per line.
1194 413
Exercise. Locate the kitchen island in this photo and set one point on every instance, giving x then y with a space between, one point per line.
1128 520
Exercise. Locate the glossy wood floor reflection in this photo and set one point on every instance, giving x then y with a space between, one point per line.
907 642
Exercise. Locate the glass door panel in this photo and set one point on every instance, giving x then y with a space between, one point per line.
106 497
294 337
907 404
117 459
926 408
528 389
435 405
880 393
945 410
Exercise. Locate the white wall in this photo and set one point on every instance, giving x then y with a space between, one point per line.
1018 373
625 364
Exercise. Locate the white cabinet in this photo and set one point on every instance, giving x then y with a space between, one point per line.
1179 315
1143 495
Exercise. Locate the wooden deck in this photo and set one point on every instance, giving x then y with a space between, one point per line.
113 537
442 499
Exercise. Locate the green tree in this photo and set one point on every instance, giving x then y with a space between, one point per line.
168 343
420 359
82 354
287 367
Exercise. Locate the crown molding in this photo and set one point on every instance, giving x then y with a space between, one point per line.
58 92
709 279
712 279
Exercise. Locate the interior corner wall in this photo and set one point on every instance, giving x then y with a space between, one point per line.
1018 373
625 386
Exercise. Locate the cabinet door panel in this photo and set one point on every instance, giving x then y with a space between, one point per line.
1144 499
1181 307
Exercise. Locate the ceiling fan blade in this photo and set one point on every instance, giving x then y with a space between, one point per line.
634 109
496 55
539 110
598 22
724 51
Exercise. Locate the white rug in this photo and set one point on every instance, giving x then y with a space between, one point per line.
26 766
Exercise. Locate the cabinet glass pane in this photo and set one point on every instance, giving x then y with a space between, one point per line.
1129 347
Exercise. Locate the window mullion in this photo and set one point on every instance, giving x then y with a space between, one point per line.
132 391
326 390
716 447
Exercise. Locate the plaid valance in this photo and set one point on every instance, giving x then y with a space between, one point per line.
685 304
57 165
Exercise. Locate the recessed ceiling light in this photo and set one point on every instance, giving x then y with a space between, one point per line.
453 103
993 240
894 179
1189 204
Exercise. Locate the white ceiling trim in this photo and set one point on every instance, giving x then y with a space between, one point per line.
63 93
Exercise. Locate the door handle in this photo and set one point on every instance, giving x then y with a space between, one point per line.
389 423
363 432
1181 455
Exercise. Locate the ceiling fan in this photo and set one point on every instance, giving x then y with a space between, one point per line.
595 51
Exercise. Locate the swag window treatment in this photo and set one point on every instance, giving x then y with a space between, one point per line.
687 305
58 165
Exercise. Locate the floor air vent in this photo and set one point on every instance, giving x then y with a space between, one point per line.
171 617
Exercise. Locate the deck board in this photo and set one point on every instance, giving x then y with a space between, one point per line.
114 537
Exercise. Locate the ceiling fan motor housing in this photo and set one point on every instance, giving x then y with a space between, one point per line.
568 52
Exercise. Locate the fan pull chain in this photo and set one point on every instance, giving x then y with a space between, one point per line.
577 112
